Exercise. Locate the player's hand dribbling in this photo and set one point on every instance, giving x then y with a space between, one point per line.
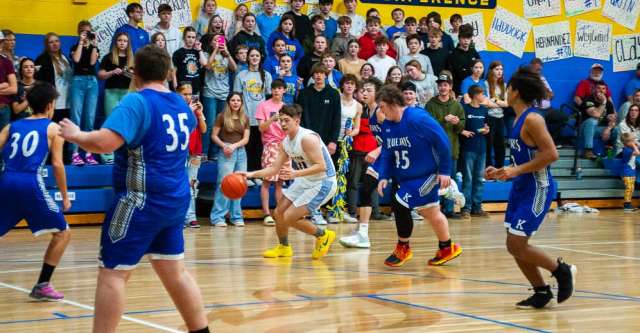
68 130
444 180
382 184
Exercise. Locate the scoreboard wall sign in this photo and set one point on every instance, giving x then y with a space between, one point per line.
477 4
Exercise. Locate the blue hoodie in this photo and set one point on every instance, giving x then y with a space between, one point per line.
294 48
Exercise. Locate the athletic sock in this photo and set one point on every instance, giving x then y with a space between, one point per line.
204 330
363 229
319 232
284 241
45 273
445 244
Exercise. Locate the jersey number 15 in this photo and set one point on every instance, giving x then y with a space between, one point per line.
402 159
172 131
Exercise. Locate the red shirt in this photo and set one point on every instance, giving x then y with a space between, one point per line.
587 88
368 47
6 69
364 141
195 141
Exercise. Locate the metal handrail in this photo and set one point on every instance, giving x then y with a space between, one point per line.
578 116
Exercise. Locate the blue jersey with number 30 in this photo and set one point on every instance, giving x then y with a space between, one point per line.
27 146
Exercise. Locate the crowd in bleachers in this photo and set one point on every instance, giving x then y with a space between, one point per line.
236 71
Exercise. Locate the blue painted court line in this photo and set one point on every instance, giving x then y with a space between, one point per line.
61 315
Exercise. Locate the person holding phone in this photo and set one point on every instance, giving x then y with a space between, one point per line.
189 59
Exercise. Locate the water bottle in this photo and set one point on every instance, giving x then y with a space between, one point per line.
579 173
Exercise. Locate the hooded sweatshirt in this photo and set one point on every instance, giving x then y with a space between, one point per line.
439 109
294 48
252 40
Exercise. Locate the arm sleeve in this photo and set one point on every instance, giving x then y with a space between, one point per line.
430 130
237 85
129 119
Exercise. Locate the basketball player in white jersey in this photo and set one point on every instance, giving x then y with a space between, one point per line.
314 183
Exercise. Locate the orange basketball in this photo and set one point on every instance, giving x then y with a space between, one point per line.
234 186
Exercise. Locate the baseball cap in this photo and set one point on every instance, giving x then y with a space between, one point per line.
597 65
443 78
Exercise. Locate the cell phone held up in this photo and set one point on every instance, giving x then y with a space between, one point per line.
221 41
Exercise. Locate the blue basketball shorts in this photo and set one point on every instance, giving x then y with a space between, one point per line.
419 193
527 209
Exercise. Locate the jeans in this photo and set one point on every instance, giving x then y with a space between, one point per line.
112 98
472 179
84 101
591 130
212 107
192 174
446 204
5 117
222 205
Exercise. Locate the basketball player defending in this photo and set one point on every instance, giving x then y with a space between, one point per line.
416 154
314 183
27 143
532 191
149 130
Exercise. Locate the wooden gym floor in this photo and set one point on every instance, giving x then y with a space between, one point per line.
349 290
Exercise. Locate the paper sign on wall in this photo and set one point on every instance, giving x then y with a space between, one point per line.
593 40
541 8
624 12
553 41
105 24
509 31
181 14
577 7
626 52
477 22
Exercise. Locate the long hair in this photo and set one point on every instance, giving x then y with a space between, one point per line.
60 63
9 53
636 123
229 117
210 25
388 80
114 51
260 68
289 17
493 82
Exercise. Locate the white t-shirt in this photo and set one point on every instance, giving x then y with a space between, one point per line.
381 65
358 25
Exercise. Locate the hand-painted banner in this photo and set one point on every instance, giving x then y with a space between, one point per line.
475 4
477 22
541 8
181 14
553 41
509 31
577 7
623 12
105 24
593 40
626 52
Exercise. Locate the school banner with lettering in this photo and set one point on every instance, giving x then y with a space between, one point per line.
541 8
473 4
105 24
593 40
181 12
626 52
577 7
509 31
623 12
553 41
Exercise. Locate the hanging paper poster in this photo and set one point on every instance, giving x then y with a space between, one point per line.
509 31
593 40
553 41
541 8
626 52
577 7
105 24
623 12
181 14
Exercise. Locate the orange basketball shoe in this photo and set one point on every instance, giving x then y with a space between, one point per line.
445 255
400 255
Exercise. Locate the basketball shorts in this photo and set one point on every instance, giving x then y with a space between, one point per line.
24 196
137 225
527 209
419 193
312 194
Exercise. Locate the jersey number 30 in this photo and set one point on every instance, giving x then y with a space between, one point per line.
402 160
172 131
28 146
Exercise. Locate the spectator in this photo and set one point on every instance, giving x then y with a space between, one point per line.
409 94
301 21
231 133
629 154
350 63
241 54
216 88
394 76
477 72
317 29
8 47
55 68
216 25
450 114
84 87
272 136
330 24
272 64
208 10
247 36
195 150
462 58
341 41
400 42
437 54
368 41
268 21
631 125
456 22
631 87
335 76
320 45
235 26
587 87
254 84
414 45
367 71
555 119
423 28
497 91
624 108
598 120
116 68
381 61
358 24
287 32
398 28
159 40
473 153
138 37
20 105
435 21
189 59
425 83
171 33
292 81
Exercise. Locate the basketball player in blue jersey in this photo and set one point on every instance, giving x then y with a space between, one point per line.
25 145
416 153
532 191
149 131
314 183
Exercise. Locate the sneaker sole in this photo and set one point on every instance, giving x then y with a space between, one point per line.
552 304
574 272
45 299
400 263
446 260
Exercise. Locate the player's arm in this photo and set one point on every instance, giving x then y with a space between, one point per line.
273 169
57 164
312 147
100 141
433 132
355 128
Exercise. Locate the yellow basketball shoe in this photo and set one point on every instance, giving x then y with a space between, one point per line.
323 243
278 251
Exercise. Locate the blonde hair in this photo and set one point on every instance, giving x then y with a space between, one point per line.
58 60
114 51
231 118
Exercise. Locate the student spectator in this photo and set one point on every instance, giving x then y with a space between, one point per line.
435 21
292 81
83 92
8 47
241 59
497 91
394 76
473 151
368 41
624 108
400 42
231 133
208 10
633 85
247 36
413 45
158 40
171 33
475 79
409 93
116 68
423 28
216 88
272 136
425 83
629 154
398 28
235 26
373 12
367 71
358 23
138 37
462 58
20 105
55 68
631 125
268 21
195 150
598 120
334 76
342 39
350 63
555 119
189 59
456 22
301 21
216 25
272 64
254 84
381 61
317 29
330 24
450 114
320 46
215 28
437 54
588 86
287 32
8 88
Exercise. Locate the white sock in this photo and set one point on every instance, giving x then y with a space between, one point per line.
363 229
